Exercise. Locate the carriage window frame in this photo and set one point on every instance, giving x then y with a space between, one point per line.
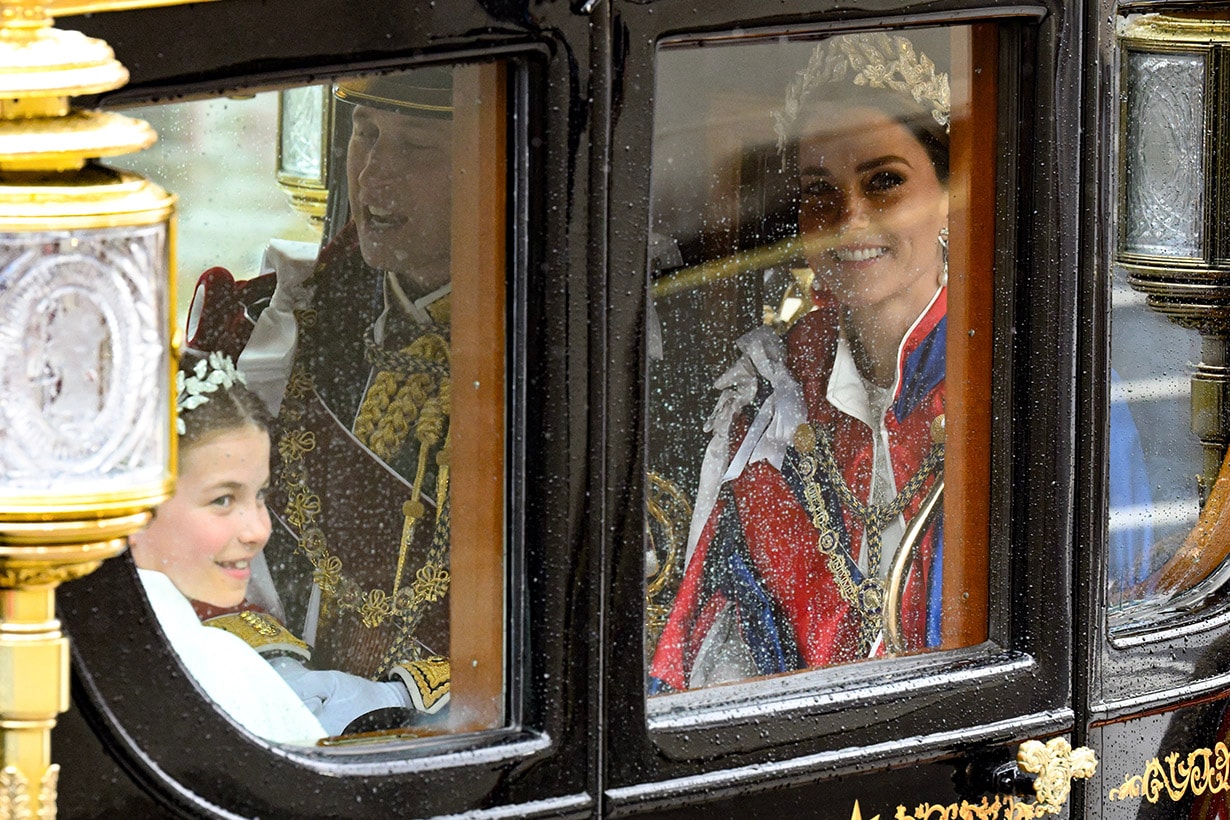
510 203
398 770
829 710
1129 681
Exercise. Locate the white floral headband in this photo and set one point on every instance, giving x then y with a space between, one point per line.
210 375
875 60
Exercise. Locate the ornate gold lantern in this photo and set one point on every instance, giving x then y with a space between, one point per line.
1174 230
303 148
86 417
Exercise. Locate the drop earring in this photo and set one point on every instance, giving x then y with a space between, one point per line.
943 239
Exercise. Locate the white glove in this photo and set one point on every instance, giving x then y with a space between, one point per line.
337 698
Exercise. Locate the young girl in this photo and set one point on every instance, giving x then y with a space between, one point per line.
196 560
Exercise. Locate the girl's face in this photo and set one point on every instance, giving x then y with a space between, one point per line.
204 536
871 208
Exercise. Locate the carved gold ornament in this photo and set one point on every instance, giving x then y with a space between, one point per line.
858 815
1055 763
15 803
1202 771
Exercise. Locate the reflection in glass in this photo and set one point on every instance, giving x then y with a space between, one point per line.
1168 479
354 346
303 132
303 123
1154 456
827 441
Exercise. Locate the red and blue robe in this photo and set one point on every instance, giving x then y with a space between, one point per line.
758 550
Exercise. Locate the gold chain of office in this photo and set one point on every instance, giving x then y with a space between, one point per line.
408 392
867 597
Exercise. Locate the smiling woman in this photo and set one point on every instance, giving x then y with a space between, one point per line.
205 536
816 536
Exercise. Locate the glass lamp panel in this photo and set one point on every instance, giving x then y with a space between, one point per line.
302 127
83 319
1164 167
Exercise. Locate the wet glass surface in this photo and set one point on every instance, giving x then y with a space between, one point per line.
375 609
799 339
1166 541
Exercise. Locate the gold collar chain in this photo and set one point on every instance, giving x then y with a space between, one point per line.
867 596
405 607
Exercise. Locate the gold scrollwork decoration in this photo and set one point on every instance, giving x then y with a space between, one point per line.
858 814
989 808
21 577
1202 771
1056 764
15 794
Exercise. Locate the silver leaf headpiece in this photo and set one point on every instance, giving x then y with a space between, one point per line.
872 59
217 372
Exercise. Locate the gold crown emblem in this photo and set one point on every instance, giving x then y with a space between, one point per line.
875 60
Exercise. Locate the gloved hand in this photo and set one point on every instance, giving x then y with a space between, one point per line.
337 698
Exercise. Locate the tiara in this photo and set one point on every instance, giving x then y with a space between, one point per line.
210 374
876 60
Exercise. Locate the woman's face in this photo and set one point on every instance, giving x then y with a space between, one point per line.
871 209
204 537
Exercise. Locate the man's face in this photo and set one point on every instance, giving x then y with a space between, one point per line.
399 172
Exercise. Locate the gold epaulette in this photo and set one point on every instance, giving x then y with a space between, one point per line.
427 680
262 632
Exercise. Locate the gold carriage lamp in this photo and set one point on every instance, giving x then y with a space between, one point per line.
86 417
1174 208
304 122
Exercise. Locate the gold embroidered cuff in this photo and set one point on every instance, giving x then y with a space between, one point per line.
427 681
263 633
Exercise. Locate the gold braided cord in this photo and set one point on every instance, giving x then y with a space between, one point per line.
395 419
375 403
434 416
431 423
398 393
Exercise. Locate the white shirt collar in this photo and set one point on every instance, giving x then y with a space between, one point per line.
846 390
395 298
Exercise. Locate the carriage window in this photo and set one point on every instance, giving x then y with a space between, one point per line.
819 339
331 568
1168 480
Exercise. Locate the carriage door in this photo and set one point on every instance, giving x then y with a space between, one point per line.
843 578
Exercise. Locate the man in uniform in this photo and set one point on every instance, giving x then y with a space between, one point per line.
360 480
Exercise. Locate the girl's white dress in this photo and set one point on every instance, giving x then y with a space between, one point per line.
231 673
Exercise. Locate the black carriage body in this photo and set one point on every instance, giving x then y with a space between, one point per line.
582 737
